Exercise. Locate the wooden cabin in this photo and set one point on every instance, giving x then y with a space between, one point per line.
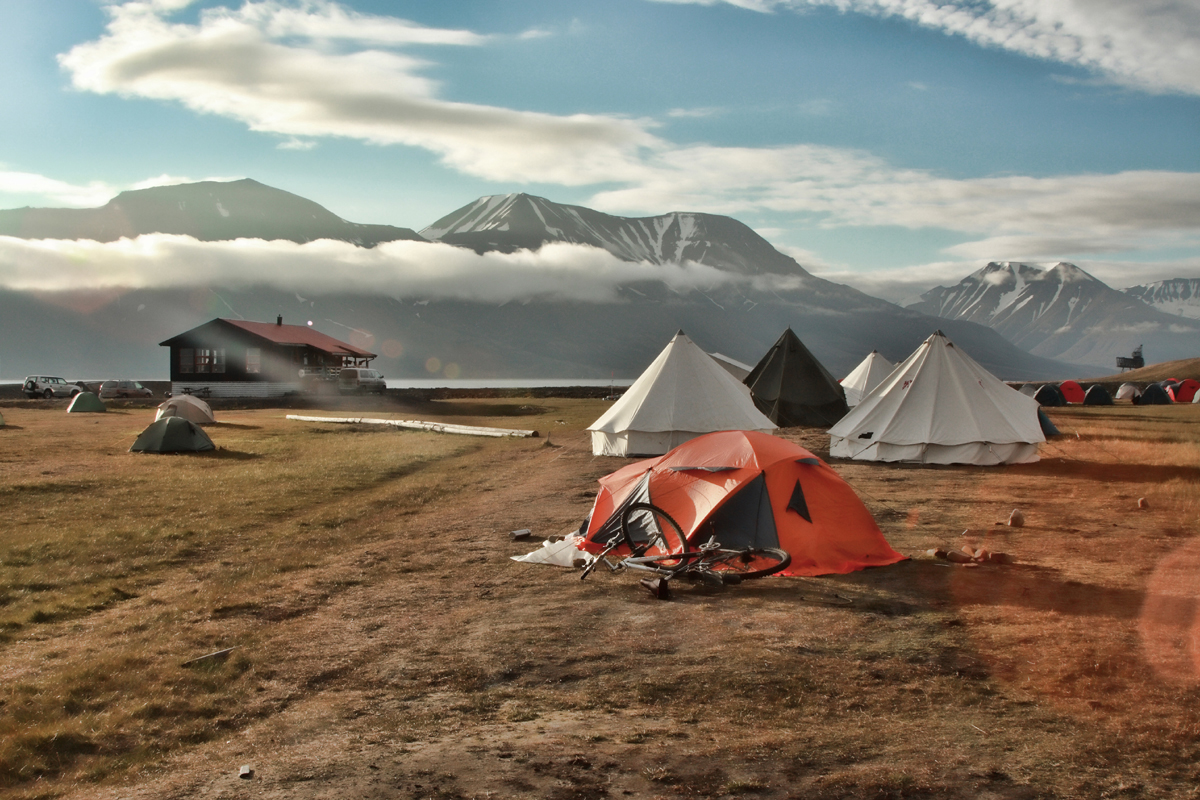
239 358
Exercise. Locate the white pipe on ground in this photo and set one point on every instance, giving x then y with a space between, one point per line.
414 424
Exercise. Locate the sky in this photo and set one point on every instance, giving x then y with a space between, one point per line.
892 145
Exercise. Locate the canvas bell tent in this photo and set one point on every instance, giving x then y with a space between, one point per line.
748 489
682 394
86 402
865 377
172 435
734 367
192 409
791 387
940 407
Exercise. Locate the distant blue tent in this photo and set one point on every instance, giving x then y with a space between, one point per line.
1048 427
1049 395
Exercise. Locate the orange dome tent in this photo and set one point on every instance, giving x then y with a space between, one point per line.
750 489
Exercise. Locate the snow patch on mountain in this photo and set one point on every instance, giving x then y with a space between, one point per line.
1178 297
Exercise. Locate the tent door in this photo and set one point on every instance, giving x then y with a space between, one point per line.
745 520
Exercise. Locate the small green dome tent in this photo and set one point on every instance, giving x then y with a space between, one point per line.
87 402
172 435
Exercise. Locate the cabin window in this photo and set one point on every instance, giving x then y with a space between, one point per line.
186 362
253 360
210 360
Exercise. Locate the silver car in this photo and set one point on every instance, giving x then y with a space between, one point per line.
110 389
47 386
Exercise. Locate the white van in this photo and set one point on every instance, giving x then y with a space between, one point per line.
359 380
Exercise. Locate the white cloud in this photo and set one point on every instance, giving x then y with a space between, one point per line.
401 268
1152 45
28 183
272 68
317 71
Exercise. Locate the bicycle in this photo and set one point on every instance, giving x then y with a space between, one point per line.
667 554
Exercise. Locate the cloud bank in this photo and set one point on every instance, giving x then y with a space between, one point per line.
317 70
1153 45
398 269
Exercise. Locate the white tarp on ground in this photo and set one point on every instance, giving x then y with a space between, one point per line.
681 395
193 409
563 553
865 377
940 407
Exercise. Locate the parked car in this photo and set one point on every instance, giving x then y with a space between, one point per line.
111 389
47 387
360 380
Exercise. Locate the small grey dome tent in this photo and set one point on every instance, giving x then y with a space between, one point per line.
1127 391
86 401
791 387
172 435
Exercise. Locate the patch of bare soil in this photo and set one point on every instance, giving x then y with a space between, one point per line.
439 668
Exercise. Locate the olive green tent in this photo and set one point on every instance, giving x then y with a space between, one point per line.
791 387
172 435
86 401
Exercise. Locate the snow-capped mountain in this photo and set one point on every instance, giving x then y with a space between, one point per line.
1063 313
1178 296
210 211
520 221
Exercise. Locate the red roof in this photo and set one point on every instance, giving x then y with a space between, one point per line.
299 334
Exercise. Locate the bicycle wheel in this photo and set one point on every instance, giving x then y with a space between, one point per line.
650 531
753 562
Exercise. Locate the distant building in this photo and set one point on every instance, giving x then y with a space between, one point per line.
238 358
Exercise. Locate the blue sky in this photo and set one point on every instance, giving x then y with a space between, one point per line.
890 144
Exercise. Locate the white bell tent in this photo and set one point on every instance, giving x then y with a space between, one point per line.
865 377
940 407
682 394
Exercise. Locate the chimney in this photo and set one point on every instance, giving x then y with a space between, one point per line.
279 320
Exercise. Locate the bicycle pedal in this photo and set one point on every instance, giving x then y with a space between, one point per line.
657 587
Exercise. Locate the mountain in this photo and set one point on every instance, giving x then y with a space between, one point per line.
115 333
209 211
1178 297
1062 313
521 221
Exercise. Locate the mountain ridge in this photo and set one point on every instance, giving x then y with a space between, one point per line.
1061 313
206 210
769 291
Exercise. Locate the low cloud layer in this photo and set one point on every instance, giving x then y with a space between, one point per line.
403 269
317 70
1153 45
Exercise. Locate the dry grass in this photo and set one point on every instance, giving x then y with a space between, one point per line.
387 647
